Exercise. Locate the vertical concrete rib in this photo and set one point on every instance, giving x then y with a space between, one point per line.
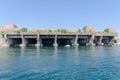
91 40
5 41
100 40
38 41
76 40
55 41
23 41
111 42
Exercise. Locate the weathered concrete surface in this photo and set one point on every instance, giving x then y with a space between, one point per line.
0 40
15 36
56 39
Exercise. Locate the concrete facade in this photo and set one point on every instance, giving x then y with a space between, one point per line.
87 36
53 39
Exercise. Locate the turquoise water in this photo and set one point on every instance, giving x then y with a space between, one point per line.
49 63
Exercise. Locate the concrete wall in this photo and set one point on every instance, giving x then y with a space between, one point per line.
0 40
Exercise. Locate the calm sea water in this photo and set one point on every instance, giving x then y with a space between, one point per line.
49 63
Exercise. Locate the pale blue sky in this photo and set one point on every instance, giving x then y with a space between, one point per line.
61 13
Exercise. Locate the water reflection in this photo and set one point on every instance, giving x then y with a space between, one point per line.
37 51
55 51
22 50
76 51
58 63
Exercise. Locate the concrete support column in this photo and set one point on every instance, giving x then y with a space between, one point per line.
5 41
100 40
10 41
38 41
55 40
91 39
23 41
1 40
111 41
76 41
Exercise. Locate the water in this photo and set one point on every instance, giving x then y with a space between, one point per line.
49 63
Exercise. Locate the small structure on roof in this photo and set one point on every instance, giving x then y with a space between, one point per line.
88 29
110 30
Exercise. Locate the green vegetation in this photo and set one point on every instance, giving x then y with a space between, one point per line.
63 31
86 29
23 29
58 30
79 30
49 30
106 30
20 30
38 31
17 31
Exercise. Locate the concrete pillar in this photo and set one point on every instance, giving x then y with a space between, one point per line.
1 40
23 41
10 41
38 41
91 40
55 40
76 41
100 40
111 41
5 41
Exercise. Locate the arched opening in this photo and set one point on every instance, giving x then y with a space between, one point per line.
105 41
82 41
47 41
64 41
31 41
15 41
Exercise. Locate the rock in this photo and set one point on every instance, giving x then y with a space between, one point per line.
110 30
88 29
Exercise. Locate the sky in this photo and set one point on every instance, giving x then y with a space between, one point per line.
73 14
